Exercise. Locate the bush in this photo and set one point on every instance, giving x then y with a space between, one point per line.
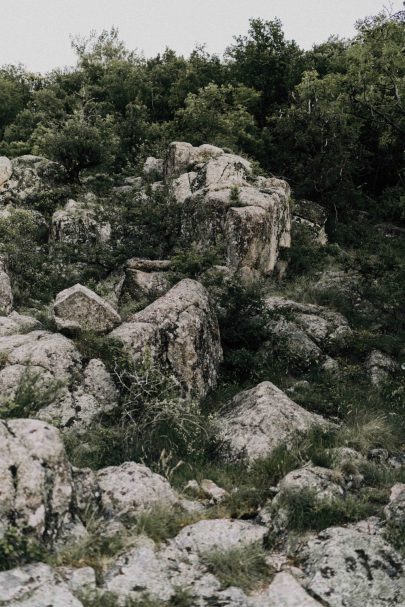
17 548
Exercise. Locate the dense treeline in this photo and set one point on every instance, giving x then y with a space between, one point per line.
330 120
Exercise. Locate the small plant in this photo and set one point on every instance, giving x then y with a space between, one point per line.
160 523
305 510
244 567
193 261
17 548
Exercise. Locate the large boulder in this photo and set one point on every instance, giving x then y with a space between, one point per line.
32 177
225 206
306 334
49 365
258 420
159 572
6 170
147 277
80 308
131 488
35 480
348 566
79 223
36 585
179 331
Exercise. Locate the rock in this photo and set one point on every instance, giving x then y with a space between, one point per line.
305 333
6 170
6 293
284 591
158 572
310 217
345 455
181 155
51 365
79 223
153 168
180 332
180 188
321 483
79 581
35 480
213 492
131 488
379 367
263 418
347 286
146 277
32 177
35 585
15 323
140 571
395 509
349 567
80 308
225 206
218 534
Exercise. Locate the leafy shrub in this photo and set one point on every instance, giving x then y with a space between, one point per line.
17 548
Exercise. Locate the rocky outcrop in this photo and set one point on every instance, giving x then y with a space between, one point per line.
179 331
147 277
345 566
258 420
36 585
80 308
15 323
304 334
79 223
35 480
225 206
158 572
32 177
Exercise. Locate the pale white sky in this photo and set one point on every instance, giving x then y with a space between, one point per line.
36 32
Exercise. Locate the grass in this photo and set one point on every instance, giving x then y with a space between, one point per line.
244 567
306 511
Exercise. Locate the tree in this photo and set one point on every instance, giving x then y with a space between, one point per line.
218 115
266 61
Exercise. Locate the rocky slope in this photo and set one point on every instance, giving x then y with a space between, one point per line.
119 398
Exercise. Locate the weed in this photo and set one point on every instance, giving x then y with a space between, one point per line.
244 567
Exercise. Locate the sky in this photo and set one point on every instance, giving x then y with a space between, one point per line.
37 33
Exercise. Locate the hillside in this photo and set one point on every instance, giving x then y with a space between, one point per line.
202 353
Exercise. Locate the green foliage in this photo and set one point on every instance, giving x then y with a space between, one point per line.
305 510
17 548
193 261
161 524
244 567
